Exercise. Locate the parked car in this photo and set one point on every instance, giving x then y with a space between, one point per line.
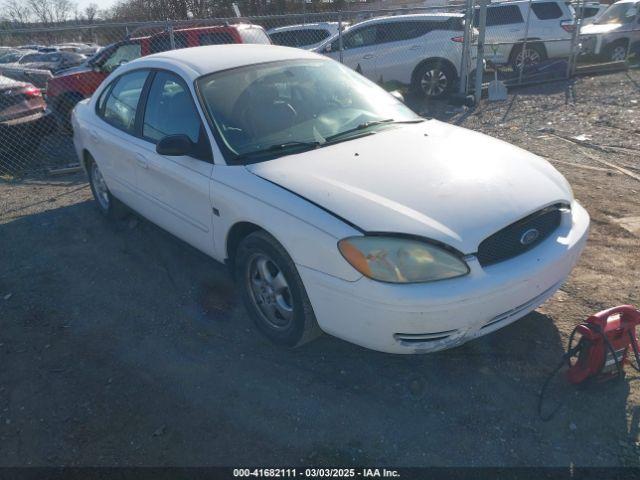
24 119
615 34
11 56
423 51
308 35
336 207
71 86
549 35
589 12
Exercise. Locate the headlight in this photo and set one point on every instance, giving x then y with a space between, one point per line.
400 260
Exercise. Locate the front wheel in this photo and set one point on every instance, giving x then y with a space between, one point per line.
616 52
433 79
272 291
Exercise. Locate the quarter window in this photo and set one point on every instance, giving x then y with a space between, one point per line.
121 103
162 43
170 110
215 38
546 10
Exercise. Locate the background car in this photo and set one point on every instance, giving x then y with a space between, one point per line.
309 35
64 91
589 12
23 119
423 51
549 35
615 34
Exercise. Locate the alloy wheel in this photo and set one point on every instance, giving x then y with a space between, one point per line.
270 291
99 187
528 56
434 82
618 53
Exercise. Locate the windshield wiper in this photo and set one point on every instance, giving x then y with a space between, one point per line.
280 147
371 123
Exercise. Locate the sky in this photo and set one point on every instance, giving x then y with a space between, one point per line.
101 3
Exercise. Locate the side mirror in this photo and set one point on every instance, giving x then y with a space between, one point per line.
327 48
175 145
397 95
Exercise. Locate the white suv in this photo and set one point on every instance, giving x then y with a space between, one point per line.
307 36
551 27
422 51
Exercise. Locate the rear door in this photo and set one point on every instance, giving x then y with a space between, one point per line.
505 27
112 139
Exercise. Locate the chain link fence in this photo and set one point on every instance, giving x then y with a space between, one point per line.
432 52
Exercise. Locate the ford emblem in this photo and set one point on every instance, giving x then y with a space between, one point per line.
529 236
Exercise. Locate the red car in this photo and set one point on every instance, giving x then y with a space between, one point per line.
73 85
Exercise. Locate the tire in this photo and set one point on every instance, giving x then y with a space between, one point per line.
272 291
107 204
433 79
533 54
616 52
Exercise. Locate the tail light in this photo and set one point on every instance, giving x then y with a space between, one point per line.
31 92
458 39
568 26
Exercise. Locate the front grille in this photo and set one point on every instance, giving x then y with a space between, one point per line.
508 242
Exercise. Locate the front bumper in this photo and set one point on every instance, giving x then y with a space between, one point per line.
421 318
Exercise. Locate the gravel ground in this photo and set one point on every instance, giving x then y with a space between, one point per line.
121 345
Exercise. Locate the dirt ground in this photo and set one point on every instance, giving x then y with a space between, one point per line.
120 345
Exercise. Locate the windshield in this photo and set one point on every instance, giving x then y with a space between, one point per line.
618 13
261 110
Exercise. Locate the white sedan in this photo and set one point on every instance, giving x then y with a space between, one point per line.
335 206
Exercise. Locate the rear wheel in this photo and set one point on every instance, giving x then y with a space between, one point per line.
273 292
529 55
108 205
433 79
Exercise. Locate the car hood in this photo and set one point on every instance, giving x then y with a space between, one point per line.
593 29
431 179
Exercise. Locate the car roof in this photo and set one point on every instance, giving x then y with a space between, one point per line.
416 16
304 26
198 61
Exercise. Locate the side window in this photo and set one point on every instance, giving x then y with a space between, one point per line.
547 10
502 15
162 43
121 102
123 54
360 38
170 110
311 36
215 38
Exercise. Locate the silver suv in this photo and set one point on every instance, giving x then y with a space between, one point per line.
551 27
615 34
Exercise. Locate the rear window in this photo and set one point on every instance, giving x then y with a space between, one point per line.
502 15
254 35
215 38
547 10
299 38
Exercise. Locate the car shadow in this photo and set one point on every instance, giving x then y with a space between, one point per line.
133 347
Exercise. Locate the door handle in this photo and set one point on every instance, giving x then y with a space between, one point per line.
142 161
368 56
415 47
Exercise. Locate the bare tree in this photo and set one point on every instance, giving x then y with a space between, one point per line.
16 11
91 12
